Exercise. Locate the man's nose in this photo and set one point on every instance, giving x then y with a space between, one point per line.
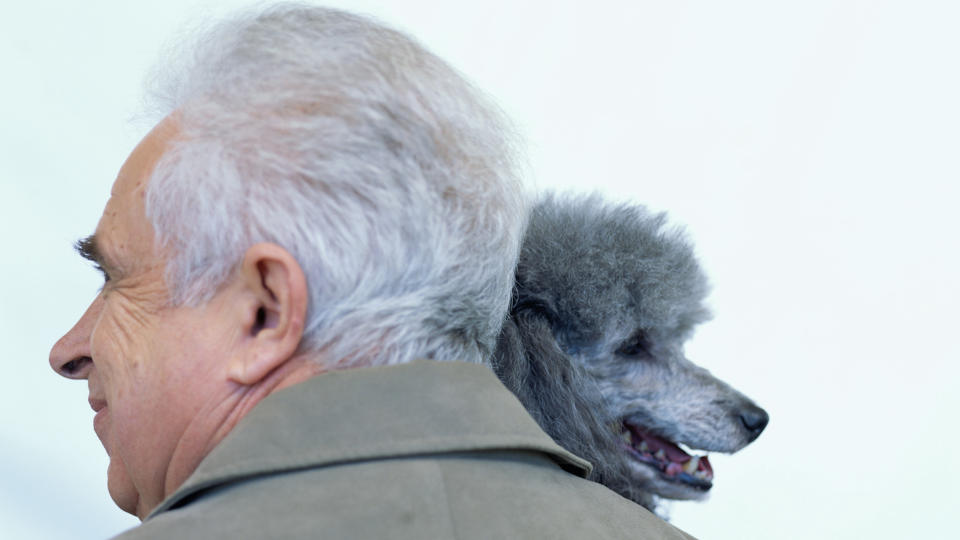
70 355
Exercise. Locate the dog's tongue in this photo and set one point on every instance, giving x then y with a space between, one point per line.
672 451
667 456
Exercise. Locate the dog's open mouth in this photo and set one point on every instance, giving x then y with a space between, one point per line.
673 463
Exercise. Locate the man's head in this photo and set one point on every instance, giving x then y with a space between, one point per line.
386 175
323 193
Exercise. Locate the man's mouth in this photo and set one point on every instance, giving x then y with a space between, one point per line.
672 462
98 423
96 403
99 406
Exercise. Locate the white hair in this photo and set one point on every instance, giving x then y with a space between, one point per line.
390 179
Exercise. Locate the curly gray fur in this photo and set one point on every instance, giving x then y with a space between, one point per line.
605 297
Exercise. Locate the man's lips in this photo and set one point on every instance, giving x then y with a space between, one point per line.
96 403
99 406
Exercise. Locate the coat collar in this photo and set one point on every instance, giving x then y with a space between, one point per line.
372 413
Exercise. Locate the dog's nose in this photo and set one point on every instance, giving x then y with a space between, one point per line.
754 419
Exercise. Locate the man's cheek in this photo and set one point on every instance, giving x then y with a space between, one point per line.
123 328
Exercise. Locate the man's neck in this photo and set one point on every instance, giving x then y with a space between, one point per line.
215 422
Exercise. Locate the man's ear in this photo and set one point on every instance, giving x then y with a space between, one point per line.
274 316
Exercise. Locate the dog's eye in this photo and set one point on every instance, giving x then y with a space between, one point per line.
633 348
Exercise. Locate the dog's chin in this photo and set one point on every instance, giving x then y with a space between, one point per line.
663 464
666 488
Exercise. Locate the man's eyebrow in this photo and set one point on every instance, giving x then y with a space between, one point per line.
88 249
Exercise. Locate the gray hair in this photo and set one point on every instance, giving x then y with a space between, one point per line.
391 180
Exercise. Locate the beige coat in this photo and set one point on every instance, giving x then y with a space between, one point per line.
428 450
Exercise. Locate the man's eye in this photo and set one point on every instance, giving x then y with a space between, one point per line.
106 276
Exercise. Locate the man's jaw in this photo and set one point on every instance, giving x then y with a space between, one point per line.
119 484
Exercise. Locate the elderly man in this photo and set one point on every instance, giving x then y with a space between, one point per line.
306 263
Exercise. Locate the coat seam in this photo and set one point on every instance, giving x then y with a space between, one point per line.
454 529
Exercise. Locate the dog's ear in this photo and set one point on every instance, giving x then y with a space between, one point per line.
550 384
531 365
509 362
528 304
563 401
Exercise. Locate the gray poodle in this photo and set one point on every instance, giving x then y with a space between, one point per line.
605 298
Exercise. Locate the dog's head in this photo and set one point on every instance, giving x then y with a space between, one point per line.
619 293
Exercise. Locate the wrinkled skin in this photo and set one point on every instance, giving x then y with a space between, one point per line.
168 382
141 359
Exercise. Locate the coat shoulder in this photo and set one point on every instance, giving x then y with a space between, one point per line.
462 496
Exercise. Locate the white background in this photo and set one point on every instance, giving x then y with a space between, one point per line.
811 149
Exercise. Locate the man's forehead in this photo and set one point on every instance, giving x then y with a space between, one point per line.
123 225
135 171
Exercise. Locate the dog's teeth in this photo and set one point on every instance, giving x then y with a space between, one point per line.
661 455
691 466
644 447
625 436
